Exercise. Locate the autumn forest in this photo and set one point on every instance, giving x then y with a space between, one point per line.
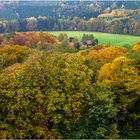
69 87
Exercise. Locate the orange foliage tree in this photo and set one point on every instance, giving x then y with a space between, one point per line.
100 55
136 46
32 40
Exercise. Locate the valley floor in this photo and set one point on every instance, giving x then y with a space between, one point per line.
104 38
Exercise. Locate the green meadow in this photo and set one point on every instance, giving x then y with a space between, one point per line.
104 38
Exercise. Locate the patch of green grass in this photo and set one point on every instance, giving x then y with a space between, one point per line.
105 38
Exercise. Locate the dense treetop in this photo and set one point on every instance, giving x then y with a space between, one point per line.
56 91
64 87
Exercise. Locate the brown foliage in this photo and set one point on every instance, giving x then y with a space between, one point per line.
32 39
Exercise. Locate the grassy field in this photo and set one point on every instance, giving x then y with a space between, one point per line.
105 38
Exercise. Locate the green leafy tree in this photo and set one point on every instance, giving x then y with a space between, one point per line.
98 121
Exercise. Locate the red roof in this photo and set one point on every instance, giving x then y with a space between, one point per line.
89 42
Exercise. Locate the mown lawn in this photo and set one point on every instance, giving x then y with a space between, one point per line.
105 38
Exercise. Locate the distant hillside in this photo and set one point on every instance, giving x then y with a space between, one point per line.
61 8
118 17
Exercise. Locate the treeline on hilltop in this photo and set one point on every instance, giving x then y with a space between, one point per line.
47 91
111 17
117 25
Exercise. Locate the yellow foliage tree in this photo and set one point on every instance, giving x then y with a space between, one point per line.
44 97
11 54
101 55
123 79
